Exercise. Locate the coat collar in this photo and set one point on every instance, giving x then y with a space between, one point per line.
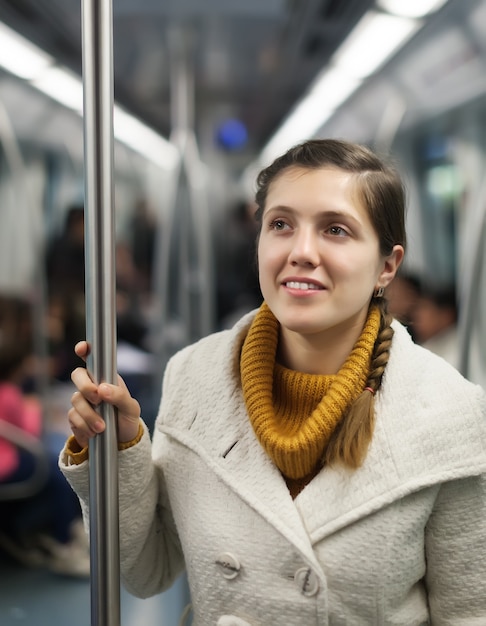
409 450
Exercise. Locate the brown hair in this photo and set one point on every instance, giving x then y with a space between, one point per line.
382 192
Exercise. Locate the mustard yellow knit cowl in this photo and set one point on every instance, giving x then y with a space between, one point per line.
294 414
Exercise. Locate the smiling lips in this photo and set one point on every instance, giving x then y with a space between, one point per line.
302 286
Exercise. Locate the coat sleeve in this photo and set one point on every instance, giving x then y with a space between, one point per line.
455 544
150 551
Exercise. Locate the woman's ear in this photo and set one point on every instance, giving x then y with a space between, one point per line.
391 265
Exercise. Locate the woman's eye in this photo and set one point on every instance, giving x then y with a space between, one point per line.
337 231
277 225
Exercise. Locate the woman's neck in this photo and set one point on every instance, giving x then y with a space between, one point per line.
312 354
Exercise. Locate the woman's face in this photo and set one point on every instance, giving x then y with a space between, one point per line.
318 253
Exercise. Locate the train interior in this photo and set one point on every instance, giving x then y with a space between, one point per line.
205 95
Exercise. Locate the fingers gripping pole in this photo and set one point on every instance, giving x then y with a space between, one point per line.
97 40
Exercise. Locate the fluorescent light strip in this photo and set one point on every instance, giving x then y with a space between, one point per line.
329 90
376 37
411 8
144 140
63 86
372 42
20 57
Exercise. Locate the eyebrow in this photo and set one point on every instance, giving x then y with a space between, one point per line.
328 213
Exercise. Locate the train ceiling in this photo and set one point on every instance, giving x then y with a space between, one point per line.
251 59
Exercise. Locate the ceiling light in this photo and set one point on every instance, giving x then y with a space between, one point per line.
411 8
62 86
372 42
19 56
67 89
330 90
144 140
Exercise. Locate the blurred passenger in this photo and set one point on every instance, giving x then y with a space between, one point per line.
65 254
15 318
311 464
435 323
143 229
65 285
131 322
402 295
22 411
237 277
43 529
134 360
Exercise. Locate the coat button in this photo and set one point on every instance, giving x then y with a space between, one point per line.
307 581
229 565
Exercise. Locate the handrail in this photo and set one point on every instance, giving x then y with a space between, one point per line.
183 277
470 272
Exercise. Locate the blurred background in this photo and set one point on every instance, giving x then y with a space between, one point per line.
207 92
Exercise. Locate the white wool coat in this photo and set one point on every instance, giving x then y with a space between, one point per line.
399 542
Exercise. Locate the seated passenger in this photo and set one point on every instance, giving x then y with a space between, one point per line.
435 323
42 529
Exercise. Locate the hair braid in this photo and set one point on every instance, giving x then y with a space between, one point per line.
349 443
381 351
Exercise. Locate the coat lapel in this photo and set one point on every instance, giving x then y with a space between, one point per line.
236 456
207 414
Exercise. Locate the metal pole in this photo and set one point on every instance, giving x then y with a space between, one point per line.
97 25
196 297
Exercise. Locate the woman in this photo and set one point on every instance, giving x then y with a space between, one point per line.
311 465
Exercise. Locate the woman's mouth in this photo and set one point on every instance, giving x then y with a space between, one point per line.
302 285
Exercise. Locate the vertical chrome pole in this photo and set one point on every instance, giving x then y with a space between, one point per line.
97 25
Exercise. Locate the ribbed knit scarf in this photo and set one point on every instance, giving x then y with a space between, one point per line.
294 414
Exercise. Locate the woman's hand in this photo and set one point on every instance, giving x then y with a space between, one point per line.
85 422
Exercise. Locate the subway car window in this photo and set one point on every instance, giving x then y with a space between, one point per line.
441 203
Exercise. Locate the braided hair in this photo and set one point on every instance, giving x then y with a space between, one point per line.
350 441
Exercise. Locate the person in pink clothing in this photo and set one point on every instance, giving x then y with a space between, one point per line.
21 411
39 529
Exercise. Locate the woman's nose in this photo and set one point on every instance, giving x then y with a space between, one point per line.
305 249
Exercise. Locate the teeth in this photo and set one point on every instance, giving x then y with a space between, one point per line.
304 286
